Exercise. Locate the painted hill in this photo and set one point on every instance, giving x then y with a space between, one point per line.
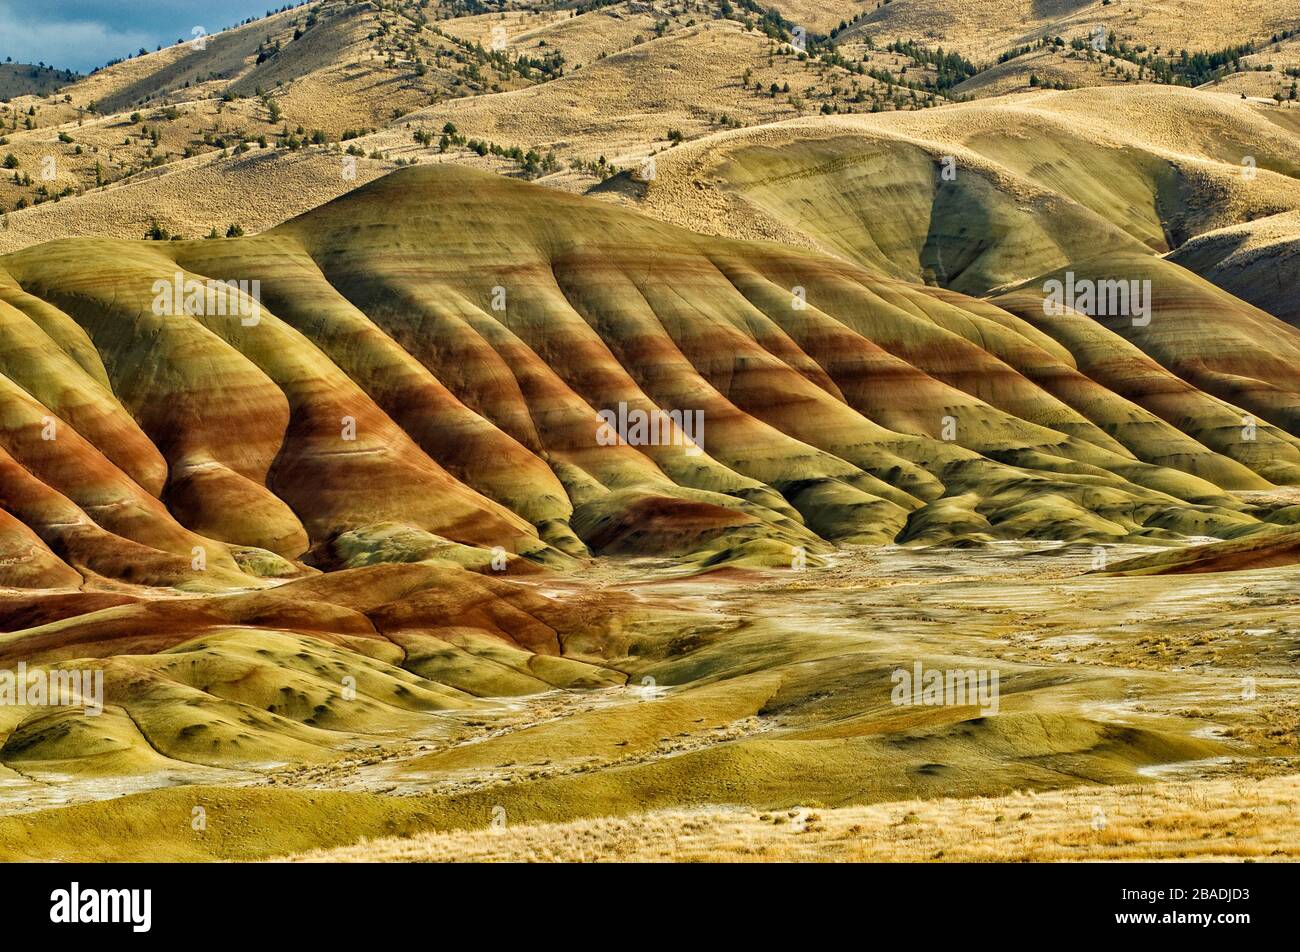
1278 547
287 675
1258 261
543 348
441 371
980 195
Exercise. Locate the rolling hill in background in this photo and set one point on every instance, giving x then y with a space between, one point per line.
983 26
24 79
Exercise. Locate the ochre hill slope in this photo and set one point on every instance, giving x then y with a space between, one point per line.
1258 261
429 355
978 195
290 674
1278 547
981 29
337 62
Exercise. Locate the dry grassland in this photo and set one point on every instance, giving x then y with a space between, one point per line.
1206 821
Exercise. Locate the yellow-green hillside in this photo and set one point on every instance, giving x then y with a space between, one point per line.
442 369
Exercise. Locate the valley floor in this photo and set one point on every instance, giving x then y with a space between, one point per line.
1137 717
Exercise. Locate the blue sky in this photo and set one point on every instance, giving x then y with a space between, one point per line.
83 34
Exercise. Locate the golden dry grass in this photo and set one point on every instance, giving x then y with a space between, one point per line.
256 190
1052 67
822 16
1216 820
623 106
623 92
331 68
980 29
582 39
1265 73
